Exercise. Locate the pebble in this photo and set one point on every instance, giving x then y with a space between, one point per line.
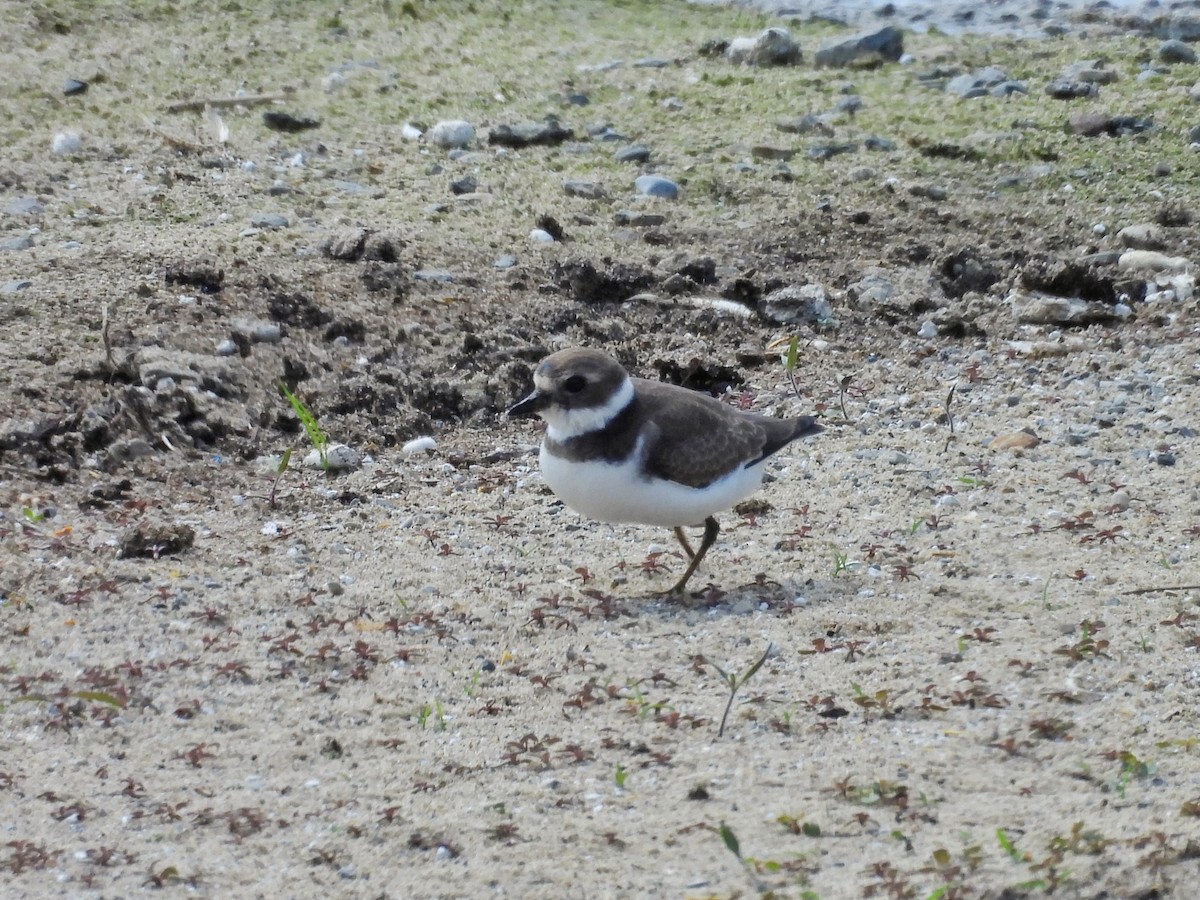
1016 440
656 186
977 83
507 261
789 305
24 206
773 47
411 132
288 123
227 347
638 219
258 331
1150 260
1176 51
268 220
20 242
73 87
436 276
1091 71
424 444
1142 236
1047 309
633 153
66 142
927 330
1071 90
589 190
886 44
547 133
467 185
12 287
338 458
452 133
541 236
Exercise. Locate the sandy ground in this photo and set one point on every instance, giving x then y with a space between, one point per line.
424 677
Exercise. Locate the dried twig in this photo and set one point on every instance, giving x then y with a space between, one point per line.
199 104
1159 590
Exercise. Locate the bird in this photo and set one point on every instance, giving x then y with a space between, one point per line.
630 450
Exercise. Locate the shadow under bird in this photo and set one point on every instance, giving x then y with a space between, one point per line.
622 449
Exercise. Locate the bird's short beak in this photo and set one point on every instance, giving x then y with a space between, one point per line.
531 405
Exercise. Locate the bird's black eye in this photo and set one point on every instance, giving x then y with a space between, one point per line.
574 384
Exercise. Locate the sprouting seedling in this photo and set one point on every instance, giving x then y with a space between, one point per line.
843 387
311 427
620 776
737 682
284 462
728 836
841 563
789 363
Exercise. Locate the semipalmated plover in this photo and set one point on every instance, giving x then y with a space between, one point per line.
623 449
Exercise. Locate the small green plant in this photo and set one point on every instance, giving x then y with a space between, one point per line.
434 711
311 427
1008 846
33 515
737 682
1131 767
730 839
841 563
284 462
620 776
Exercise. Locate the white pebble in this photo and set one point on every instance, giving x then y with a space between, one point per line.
67 142
419 445
541 236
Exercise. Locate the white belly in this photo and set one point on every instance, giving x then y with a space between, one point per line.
619 493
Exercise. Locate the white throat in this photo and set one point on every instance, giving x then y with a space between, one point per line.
564 424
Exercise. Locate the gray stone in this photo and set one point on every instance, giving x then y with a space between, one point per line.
791 305
588 190
656 186
436 276
13 287
1071 90
13 244
1047 309
547 133
1176 52
884 45
651 62
452 133
507 261
1089 71
639 153
638 219
805 124
24 206
1142 236
1008 88
773 47
338 458
977 83
258 331
269 220
1184 27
